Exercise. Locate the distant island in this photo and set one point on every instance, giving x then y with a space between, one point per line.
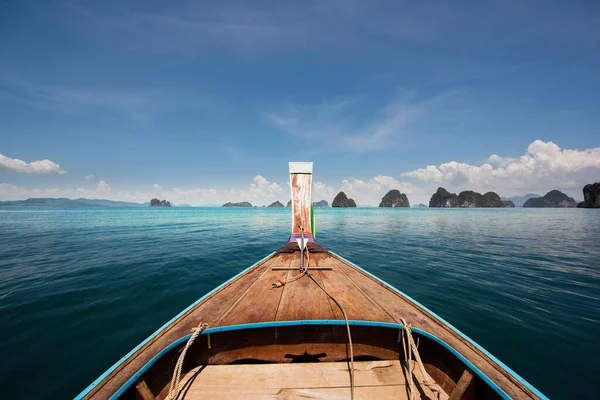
159 203
591 196
63 202
466 199
320 204
276 204
394 198
508 204
241 204
289 204
518 201
552 199
420 205
341 200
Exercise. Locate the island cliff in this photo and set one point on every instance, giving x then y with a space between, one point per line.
591 196
276 204
553 198
341 200
466 199
242 204
159 203
394 198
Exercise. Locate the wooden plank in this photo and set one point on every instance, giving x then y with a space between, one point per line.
384 378
464 386
356 304
296 268
393 304
143 391
396 392
302 299
260 301
301 185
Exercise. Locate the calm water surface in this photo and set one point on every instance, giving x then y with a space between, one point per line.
80 287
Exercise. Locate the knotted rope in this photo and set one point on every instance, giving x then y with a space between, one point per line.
410 348
174 390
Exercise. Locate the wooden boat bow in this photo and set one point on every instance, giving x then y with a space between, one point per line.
290 341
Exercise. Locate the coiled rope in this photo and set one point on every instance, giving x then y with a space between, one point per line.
174 390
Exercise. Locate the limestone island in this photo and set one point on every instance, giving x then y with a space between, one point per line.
591 196
467 199
508 204
394 198
320 204
242 204
518 201
276 204
159 203
341 200
552 199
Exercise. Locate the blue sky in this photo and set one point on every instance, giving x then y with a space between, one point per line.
207 102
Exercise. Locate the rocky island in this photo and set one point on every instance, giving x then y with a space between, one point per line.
320 204
508 204
241 204
591 196
466 199
159 203
289 204
394 198
518 201
420 205
554 199
341 200
276 204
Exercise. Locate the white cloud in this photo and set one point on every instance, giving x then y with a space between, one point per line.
102 187
89 177
322 191
259 191
545 166
34 167
336 127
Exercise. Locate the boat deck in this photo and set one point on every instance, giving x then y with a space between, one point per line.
373 379
249 298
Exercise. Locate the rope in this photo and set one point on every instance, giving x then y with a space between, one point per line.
174 390
410 348
306 272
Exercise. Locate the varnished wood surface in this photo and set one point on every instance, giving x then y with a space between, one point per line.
301 185
251 299
373 379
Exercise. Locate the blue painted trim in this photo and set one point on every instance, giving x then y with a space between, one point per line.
139 346
458 332
141 371
275 324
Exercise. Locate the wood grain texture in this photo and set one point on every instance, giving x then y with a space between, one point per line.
379 379
250 299
464 386
301 185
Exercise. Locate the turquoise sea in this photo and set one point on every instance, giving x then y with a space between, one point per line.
80 287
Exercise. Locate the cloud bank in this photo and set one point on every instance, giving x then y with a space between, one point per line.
34 167
543 167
